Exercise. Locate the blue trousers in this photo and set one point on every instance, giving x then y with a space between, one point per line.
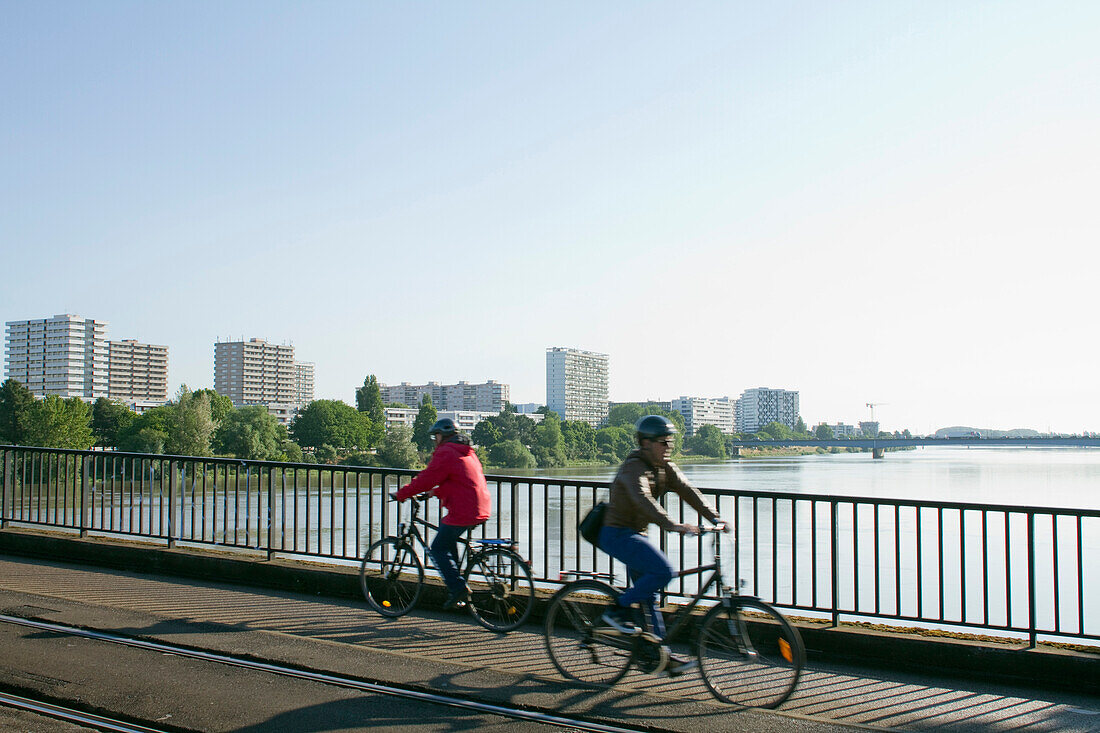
444 552
648 567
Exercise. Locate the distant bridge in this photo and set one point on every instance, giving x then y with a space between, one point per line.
878 445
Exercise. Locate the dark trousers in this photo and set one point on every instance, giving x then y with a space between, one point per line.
444 552
649 569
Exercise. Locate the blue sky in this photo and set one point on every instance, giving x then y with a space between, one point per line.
864 201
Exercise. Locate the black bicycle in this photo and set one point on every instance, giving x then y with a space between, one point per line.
502 592
748 654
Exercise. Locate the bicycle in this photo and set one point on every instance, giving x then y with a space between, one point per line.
748 653
502 591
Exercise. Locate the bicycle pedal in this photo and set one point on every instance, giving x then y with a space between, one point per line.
651 637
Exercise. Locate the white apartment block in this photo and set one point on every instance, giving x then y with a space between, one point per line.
137 373
759 406
400 416
254 372
65 355
842 430
465 420
576 384
700 411
303 383
489 396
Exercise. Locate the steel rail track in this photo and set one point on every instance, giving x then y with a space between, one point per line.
325 678
72 715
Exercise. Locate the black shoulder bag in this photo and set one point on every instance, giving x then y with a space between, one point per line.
592 523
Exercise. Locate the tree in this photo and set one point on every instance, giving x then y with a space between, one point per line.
776 431
220 405
15 404
148 433
109 419
823 432
425 418
368 399
486 434
191 425
707 441
511 454
397 449
54 422
580 440
800 425
252 433
333 423
625 415
613 444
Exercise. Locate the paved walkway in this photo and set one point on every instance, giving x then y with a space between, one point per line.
452 653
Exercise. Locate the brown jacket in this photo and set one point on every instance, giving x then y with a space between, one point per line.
637 488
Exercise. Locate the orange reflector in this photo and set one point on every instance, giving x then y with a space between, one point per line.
512 611
386 604
785 650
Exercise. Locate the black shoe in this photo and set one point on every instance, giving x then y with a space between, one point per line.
617 618
456 601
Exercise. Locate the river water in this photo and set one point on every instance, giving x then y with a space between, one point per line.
1045 477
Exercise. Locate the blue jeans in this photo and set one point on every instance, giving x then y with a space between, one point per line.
648 567
444 552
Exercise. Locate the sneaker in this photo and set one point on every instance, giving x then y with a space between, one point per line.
677 665
456 601
616 617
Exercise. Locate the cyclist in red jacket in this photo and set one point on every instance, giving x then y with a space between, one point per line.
454 474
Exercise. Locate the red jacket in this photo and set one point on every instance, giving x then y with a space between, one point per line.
455 474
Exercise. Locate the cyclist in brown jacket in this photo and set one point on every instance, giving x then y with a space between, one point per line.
646 475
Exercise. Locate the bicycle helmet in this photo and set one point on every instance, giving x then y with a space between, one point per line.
652 427
445 426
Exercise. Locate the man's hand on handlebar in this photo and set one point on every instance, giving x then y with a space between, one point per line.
686 528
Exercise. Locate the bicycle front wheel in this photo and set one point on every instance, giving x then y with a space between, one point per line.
391 576
502 592
749 654
580 646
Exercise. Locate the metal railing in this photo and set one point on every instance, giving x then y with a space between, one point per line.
1027 571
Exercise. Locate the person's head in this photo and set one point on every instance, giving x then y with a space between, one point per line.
654 434
442 429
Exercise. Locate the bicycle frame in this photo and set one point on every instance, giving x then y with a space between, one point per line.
407 531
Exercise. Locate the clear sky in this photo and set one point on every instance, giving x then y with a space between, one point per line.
864 201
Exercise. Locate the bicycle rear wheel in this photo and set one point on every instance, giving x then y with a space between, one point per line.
391 576
749 654
502 592
580 646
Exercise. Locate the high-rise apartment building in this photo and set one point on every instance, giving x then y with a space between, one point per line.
576 384
65 355
700 411
489 396
759 406
137 373
254 372
303 383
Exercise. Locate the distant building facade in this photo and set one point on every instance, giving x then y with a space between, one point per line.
700 411
255 372
65 355
761 405
869 428
488 396
137 373
842 430
303 383
577 384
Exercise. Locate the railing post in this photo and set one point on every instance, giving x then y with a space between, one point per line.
173 490
270 512
1031 633
87 482
6 488
834 521
513 530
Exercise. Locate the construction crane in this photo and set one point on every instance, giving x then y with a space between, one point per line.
873 405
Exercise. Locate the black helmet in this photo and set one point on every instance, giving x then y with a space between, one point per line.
652 427
445 426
